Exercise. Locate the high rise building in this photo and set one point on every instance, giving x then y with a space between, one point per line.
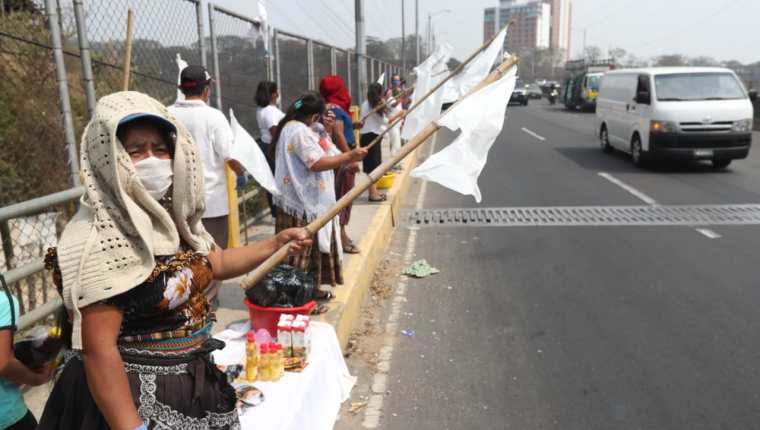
536 24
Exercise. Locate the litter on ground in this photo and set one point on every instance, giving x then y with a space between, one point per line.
420 269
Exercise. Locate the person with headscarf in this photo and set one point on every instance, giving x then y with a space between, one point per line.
304 174
335 93
132 267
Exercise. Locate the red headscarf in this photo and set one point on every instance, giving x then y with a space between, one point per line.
334 90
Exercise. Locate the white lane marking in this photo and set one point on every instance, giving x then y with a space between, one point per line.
650 201
708 233
641 196
379 387
534 134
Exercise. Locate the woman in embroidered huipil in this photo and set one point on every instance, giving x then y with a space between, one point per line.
133 267
304 173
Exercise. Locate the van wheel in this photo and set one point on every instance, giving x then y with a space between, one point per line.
721 163
637 153
604 140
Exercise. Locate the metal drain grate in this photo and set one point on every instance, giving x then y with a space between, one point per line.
589 216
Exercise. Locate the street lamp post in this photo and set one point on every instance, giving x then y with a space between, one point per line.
430 28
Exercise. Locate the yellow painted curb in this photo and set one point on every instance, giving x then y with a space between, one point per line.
358 273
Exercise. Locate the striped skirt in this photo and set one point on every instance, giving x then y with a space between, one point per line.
325 268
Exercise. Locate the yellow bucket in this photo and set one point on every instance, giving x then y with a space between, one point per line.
386 182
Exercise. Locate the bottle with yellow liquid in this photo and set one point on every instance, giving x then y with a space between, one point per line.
251 358
264 363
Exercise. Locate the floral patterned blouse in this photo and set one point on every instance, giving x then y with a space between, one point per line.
171 305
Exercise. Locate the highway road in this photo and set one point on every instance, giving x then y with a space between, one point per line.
572 326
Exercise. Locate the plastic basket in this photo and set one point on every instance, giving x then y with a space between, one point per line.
386 182
268 318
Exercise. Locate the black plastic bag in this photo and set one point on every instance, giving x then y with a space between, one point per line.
284 287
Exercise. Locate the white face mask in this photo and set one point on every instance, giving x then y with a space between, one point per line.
156 175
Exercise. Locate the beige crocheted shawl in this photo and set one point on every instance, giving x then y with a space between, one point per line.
110 245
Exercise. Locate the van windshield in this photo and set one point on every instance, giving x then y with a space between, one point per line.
593 82
698 86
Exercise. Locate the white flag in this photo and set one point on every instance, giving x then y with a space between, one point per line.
260 27
381 79
181 64
480 116
432 71
247 152
475 71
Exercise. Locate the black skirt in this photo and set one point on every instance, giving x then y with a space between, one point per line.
178 392
375 156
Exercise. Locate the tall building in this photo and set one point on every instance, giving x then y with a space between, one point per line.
536 24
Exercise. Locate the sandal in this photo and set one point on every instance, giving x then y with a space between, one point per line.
382 198
350 248
320 309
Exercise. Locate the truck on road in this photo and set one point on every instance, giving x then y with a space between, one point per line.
582 85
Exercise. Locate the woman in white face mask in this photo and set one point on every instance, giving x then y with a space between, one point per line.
133 267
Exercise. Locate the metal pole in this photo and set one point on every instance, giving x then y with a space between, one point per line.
84 53
310 63
276 47
215 58
333 61
63 91
348 73
201 33
361 48
429 42
403 34
417 29
270 63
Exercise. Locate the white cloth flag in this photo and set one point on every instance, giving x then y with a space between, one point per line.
475 72
381 79
181 64
247 152
480 116
260 27
429 74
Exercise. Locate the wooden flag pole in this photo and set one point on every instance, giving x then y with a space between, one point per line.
275 259
384 104
128 53
417 103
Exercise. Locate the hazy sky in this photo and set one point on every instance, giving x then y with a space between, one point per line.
723 29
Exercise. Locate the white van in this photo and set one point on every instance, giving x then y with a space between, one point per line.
677 113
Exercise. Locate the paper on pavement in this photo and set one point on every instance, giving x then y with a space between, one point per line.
432 71
475 71
246 151
480 116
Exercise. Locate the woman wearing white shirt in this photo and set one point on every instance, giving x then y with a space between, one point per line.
268 116
374 125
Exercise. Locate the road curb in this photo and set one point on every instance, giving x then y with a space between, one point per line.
358 272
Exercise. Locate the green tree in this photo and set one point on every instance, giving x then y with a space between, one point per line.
671 60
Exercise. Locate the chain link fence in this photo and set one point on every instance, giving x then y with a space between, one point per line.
45 101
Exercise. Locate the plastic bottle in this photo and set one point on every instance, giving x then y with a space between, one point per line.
264 363
280 362
251 358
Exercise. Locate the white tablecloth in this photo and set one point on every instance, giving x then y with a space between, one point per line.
305 401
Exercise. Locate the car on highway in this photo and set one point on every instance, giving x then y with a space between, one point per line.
533 92
519 95
685 113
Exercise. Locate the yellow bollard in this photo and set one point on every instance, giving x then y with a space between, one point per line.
233 221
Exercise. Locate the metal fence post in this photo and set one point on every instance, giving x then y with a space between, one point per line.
269 63
333 61
63 91
310 63
201 33
371 70
277 76
84 53
215 57
348 72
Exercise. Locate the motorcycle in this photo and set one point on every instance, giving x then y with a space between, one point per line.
553 95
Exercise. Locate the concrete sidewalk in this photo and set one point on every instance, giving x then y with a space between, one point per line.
371 228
